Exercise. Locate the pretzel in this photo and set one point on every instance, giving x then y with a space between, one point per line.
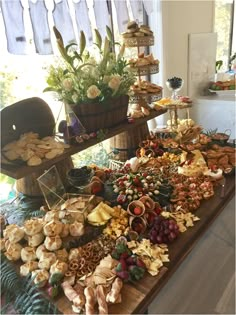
81 262
70 273
87 254
95 258
88 246
74 265
79 274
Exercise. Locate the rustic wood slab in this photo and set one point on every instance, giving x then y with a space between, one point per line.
19 171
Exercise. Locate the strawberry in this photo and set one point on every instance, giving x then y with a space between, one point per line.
137 210
140 263
136 181
121 199
52 291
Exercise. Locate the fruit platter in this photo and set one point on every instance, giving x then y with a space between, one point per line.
132 217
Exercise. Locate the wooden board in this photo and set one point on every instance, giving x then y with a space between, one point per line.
19 171
137 297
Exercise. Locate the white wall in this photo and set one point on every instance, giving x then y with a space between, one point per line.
180 18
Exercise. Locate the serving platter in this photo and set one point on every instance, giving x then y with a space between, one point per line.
223 92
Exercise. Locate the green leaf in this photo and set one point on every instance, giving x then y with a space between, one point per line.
109 33
82 42
50 89
98 38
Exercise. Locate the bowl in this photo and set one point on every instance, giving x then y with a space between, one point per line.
79 176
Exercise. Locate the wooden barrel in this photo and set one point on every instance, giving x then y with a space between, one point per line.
126 143
29 186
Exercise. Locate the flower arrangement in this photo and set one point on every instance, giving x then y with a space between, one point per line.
81 77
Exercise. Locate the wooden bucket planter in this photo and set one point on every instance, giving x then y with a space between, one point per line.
95 116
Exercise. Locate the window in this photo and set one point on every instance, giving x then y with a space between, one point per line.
224 27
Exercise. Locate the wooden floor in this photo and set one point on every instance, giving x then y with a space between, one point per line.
205 282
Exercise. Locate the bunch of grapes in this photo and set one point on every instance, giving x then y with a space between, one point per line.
175 83
163 230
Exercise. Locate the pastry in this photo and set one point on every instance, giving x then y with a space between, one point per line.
40 250
28 267
52 228
13 251
14 233
36 239
62 255
46 260
40 277
52 243
33 226
59 266
28 254
76 229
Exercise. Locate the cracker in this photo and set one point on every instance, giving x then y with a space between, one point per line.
34 161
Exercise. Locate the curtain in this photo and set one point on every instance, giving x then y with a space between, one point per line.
69 16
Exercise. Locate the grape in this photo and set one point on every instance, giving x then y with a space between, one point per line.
153 233
153 239
163 230
176 227
166 232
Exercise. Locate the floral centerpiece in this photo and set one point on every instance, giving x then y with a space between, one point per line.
92 83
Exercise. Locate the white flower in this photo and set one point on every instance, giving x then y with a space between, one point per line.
67 84
114 83
75 97
93 92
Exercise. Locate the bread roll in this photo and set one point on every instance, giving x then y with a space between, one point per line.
14 233
46 260
40 250
33 226
40 277
59 266
13 251
53 243
36 240
76 229
62 255
28 254
65 230
52 228
29 266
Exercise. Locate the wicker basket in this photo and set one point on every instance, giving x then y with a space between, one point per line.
95 116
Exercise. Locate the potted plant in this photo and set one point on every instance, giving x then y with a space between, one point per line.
94 85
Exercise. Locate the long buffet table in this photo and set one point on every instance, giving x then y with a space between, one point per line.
136 297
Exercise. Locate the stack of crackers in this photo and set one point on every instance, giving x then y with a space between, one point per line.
133 30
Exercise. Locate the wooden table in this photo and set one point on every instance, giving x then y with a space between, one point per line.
137 297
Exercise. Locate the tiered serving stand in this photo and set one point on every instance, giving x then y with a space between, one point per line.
143 98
